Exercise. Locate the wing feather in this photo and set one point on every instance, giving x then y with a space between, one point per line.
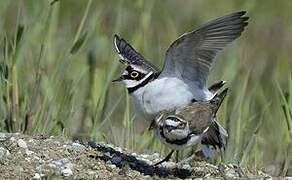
130 55
191 56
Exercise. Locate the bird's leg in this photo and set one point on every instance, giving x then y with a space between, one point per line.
165 159
176 157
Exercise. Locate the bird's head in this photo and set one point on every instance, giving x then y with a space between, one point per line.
174 127
134 76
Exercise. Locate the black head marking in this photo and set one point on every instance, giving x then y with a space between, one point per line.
133 74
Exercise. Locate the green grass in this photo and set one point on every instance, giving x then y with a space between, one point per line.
57 62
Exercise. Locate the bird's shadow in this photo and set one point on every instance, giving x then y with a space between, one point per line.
121 160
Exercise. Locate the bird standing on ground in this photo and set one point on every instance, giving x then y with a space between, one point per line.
193 124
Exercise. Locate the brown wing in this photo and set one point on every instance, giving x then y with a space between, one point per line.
199 115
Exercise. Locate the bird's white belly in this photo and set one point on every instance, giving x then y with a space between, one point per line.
162 94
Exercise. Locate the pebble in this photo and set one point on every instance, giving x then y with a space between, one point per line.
153 156
28 159
51 165
112 166
90 172
144 156
21 143
67 172
37 158
12 139
116 160
168 164
186 166
63 161
2 136
77 147
28 152
119 149
4 152
37 176
68 165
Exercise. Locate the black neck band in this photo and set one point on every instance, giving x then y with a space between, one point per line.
132 89
177 141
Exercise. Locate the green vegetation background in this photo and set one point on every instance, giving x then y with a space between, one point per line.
57 62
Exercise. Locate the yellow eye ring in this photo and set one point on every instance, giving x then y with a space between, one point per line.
134 74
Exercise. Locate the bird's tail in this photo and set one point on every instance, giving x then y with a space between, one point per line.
217 100
213 141
214 88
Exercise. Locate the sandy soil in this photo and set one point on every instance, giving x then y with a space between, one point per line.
41 157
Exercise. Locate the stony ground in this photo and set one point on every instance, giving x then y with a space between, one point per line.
40 157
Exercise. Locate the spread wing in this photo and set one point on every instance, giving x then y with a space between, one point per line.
190 57
130 55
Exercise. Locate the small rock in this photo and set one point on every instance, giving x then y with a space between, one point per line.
168 164
116 160
153 156
64 161
2 136
41 161
68 165
207 175
28 152
51 165
119 149
37 176
21 143
148 161
77 147
12 139
186 166
4 152
90 172
67 172
36 158
231 174
112 166
144 156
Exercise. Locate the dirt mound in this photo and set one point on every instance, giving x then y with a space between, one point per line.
39 157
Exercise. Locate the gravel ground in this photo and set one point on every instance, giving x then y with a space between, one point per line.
42 157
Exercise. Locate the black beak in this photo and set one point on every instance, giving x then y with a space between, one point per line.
123 61
152 125
118 79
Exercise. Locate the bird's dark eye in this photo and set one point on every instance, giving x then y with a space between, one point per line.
134 74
